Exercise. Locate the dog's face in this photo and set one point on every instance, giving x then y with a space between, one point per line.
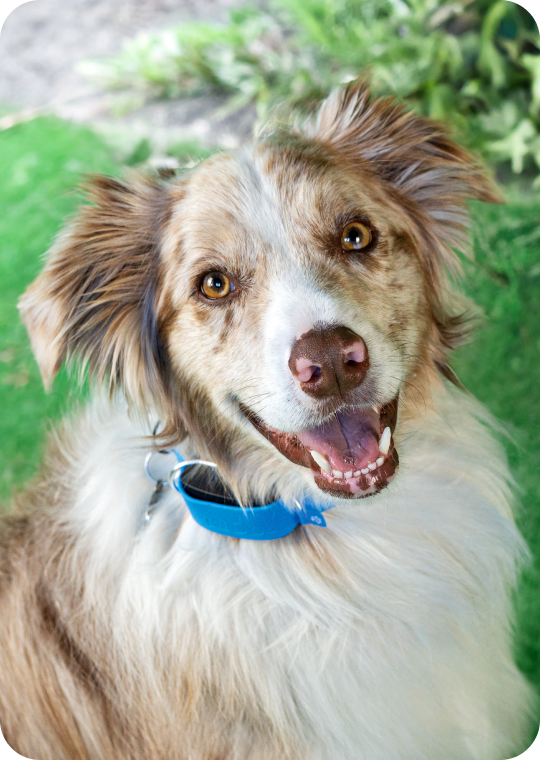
298 303
277 304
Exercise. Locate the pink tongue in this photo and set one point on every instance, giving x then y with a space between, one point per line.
350 441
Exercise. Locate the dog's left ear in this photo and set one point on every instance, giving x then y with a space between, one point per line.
97 297
415 156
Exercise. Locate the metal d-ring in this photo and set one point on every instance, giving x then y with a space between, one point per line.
159 484
148 459
177 469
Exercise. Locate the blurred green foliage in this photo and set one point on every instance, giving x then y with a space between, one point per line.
501 367
473 63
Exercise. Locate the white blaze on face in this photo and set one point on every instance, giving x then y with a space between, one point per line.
297 306
296 301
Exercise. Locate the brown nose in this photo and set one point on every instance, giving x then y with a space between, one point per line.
329 362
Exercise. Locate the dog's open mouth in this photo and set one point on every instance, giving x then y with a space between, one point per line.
351 454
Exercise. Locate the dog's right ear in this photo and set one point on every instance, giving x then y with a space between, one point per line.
97 297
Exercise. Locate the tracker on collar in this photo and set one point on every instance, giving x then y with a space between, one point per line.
261 523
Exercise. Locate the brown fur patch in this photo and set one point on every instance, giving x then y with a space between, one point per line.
97 297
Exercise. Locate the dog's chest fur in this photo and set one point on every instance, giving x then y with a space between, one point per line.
327 644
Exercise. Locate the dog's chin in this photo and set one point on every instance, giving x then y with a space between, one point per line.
352 455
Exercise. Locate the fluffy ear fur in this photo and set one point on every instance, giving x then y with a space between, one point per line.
430 176
413 154
97 295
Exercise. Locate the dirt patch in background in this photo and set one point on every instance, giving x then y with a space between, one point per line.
42 41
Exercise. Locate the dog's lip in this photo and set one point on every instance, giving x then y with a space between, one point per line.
358 484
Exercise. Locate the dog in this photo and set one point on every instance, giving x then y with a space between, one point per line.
284 314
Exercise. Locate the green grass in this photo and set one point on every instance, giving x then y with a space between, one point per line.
42 162
502 368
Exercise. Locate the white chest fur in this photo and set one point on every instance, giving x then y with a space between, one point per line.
385 635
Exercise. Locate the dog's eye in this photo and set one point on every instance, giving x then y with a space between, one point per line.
216 285
355 237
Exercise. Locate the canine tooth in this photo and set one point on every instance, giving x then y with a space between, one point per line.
365 471
379 461
347 474
375 409
337 473
357 473
372 466
321 460
384 443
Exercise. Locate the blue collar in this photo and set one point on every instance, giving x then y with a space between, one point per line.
265 523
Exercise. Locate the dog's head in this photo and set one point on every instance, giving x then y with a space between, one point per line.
278 304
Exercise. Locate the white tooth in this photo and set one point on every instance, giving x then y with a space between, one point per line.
375 409
364 471
384 443
337 473
379 461
322 461
347 475
372 466
357 473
